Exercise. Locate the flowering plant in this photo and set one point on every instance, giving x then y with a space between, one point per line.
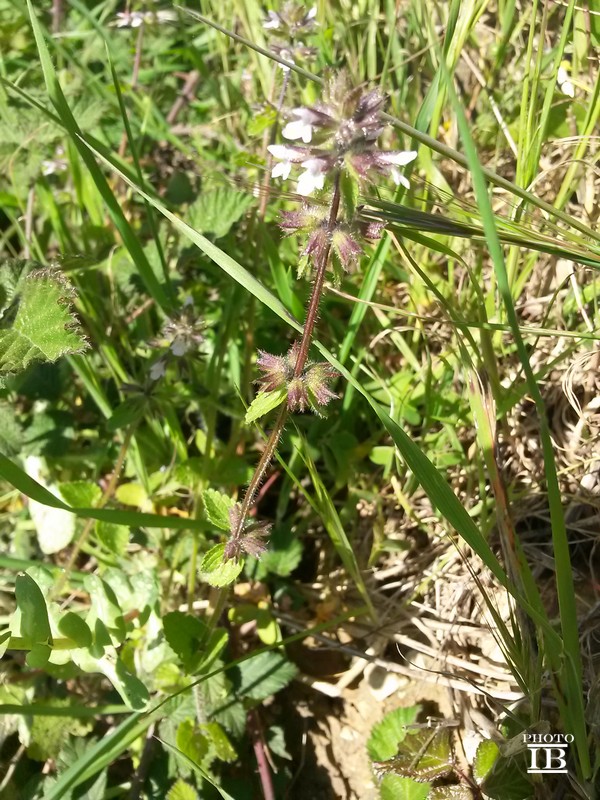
338 154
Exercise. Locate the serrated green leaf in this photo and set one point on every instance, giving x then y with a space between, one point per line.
457 792
264 675
217 506
182 791
218 210
35 625
215 571
390 732
81 494
44 328
263 403
424 755
74 627
485 758
394 787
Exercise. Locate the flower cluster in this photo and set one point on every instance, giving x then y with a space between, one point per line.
287 29
245 538
339 133
308 390
135 19
342 237
180 336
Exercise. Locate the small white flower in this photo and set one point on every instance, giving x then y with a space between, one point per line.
129 19
179 347
399 159
287 156
282 170
272 22
157 370
564 84
312 13
312 178
302 127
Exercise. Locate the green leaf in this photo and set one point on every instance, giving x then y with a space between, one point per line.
11 433
80 493
113 538
44 327
215 571
424 755
48 733
219 740
390 732
456 792
508 780
264 675
35 625
263 403
104 606
74 627
182 791
218 210
130 687
485 758
38 656
185 634
191 741
131 494
394 787
217 506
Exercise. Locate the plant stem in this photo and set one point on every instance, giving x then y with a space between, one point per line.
307 334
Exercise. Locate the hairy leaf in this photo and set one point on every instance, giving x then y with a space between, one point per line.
218 210
43 328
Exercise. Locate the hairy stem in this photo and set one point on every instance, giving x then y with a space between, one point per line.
307 334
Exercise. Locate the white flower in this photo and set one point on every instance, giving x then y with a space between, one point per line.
287 156
272 22
157 370
313 177
312 13
282 170
565 85
395 160
129 19
179 347
302 127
